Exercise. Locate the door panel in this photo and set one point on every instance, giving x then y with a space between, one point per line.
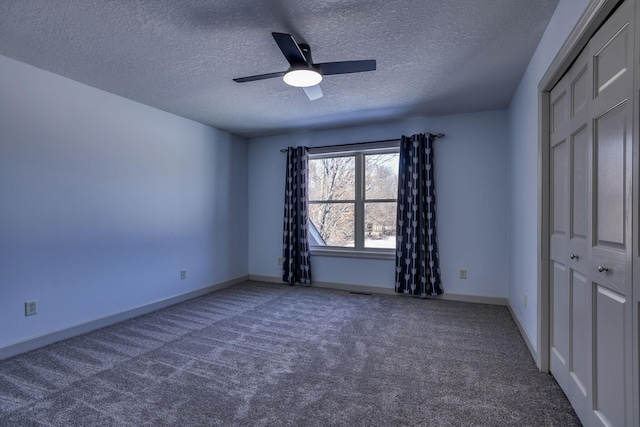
609 361
610 154
580 92
558 111
611 63
560 324
580 185
559 179
580 337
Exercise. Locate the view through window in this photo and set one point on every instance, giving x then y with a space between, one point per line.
353 199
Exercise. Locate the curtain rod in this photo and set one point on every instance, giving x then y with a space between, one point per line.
439 135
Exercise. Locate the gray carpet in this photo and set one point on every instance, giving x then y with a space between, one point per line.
273 355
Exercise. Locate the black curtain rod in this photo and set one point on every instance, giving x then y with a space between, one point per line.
439 135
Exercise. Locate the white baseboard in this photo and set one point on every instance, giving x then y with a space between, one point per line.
50 338
525 335
83 328
478 299
386 291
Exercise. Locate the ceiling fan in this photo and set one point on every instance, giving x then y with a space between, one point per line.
303 72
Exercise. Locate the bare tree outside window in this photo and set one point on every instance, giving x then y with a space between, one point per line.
334 193
332 182
381 192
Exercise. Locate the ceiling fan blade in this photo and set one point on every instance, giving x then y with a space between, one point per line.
259 77
313 92
345 67
290 49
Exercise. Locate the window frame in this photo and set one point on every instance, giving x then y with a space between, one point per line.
359 153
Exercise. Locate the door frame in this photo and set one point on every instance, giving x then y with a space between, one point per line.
594 16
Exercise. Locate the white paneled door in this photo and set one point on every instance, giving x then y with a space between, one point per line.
571 151
591 155
610 264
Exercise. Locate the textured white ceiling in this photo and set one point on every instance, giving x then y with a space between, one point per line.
434 57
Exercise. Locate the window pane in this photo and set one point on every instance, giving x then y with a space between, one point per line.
334 222
380 225
381 176
332 178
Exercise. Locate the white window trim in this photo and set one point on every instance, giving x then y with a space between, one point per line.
360 151
352 148
371 253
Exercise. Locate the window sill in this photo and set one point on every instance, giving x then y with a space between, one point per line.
352 253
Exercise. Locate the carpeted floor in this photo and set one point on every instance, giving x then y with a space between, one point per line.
273 355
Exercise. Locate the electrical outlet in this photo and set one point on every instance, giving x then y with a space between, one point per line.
280 261
526 297
30 308
183 274
463 273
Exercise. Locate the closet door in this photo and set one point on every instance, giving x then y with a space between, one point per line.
579 292
559 159
611 112
570 189
591 176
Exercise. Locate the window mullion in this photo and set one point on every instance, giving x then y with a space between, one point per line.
359 205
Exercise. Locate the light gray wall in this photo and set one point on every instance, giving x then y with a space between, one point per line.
523 139
104 200
473 202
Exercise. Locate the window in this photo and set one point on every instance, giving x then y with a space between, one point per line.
353 201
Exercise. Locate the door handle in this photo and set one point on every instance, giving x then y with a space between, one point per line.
602 269
574 256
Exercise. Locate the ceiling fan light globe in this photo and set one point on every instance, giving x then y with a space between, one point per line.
302 78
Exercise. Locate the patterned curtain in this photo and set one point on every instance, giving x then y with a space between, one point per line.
417 260
295 266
